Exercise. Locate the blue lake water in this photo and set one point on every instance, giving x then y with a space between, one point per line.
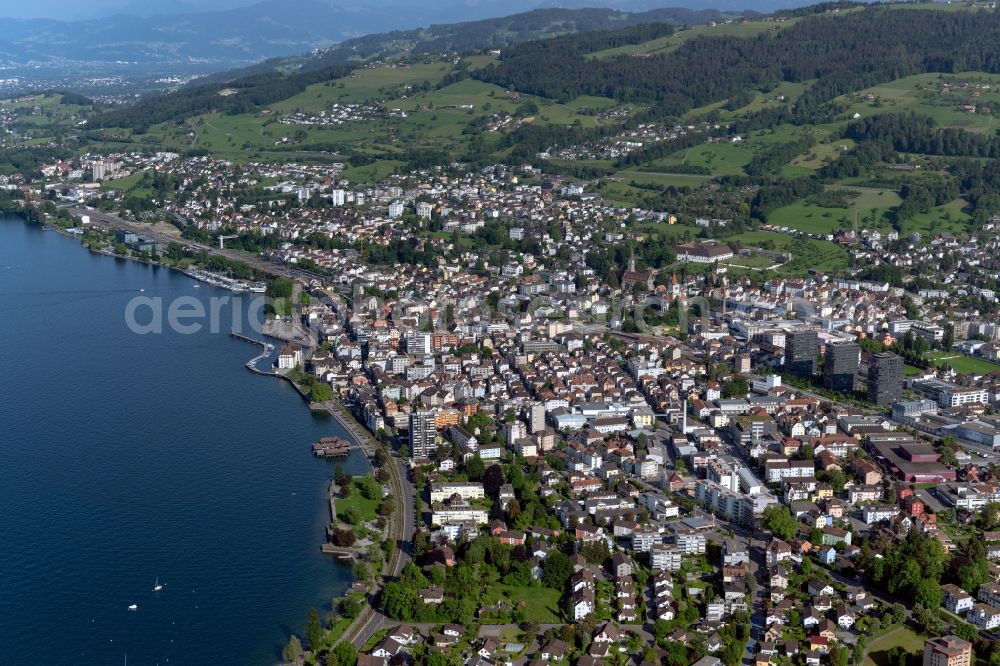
127 457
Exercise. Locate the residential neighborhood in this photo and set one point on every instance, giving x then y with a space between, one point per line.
652 460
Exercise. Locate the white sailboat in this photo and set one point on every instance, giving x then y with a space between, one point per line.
133 607
157 586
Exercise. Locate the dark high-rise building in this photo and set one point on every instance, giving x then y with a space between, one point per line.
885 378
801 348
840 366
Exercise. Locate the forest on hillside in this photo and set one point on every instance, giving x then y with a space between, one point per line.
252 92
843 52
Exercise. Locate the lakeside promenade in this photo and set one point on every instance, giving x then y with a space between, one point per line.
402 525
402 522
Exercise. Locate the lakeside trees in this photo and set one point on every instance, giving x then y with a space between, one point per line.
343 654
318 390
321 392
399 601
314 630
293 651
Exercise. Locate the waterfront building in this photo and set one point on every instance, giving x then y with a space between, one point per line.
126 237
287 358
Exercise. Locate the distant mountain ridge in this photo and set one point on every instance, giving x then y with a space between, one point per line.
496 33
278 78
267 29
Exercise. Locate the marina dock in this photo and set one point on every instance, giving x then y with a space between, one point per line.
226 282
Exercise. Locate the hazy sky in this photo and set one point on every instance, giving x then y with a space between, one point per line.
463 9
75 9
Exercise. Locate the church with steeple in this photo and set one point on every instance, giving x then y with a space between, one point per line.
631 277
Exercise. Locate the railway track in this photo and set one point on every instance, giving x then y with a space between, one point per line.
99 218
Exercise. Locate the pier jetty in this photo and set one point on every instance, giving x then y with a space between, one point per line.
332 447
246 338
266 350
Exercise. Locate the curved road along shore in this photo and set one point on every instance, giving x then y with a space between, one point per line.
402 527
402 524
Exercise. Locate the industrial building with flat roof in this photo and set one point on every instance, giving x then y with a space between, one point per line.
909 459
